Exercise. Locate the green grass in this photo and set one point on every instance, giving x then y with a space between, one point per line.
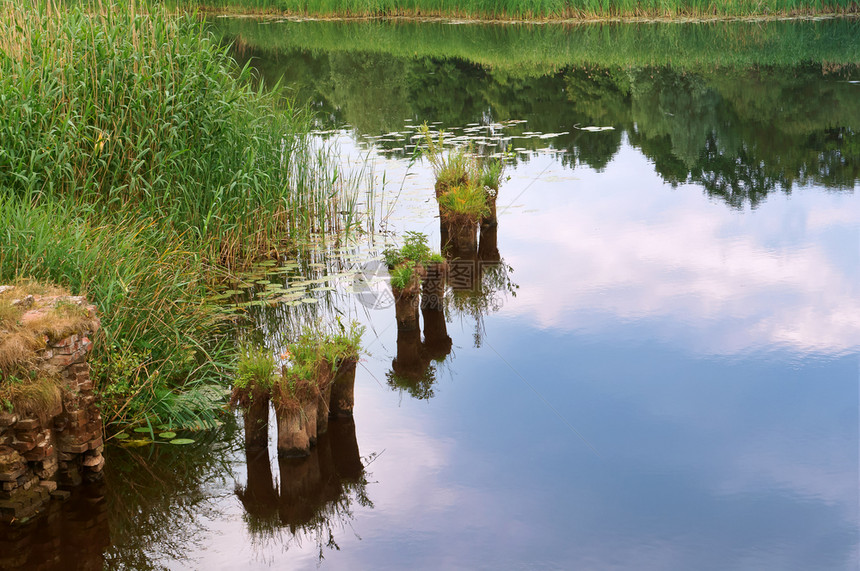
414 249
138 165
467 200
534 50
537 9
403 275
256 368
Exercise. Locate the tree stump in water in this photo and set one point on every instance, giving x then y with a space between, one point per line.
342 399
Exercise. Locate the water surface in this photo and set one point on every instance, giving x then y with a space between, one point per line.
655 366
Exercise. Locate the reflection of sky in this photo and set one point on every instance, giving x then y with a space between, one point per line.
675 386
619 247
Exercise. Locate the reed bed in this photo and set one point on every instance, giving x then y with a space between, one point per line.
138 165
537 50
540 9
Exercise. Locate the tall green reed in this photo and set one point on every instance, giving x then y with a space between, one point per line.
138 165
540 9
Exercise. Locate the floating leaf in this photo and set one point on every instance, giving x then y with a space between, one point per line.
143 429
182 441
121 436
594 129
136 442
167 435
220 297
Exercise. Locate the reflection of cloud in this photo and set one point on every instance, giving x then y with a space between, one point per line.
622 244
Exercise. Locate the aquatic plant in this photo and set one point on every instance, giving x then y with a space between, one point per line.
344 345
138 165
414 249
404 276
466 201
255 376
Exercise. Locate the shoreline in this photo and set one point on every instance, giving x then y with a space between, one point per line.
274 14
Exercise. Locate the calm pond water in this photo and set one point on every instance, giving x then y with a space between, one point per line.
653 360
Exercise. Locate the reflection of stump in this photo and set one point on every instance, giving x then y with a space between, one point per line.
311 487
408 363
342 399
344 449
299 485
488 249
433 285
259 497
437 342
406 307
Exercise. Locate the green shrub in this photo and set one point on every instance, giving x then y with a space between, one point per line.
404 275
256 368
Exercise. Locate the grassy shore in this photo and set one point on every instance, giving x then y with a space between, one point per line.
138 166
533 50
530 10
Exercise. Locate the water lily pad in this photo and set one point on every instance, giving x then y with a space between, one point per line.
137 442
220 297
143 429
167 435
121 436
182 441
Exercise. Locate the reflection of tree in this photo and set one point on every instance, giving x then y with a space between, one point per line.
740 132
371 90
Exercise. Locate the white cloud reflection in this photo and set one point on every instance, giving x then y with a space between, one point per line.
622 245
